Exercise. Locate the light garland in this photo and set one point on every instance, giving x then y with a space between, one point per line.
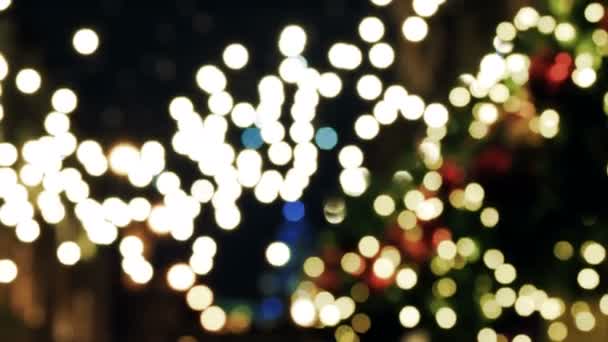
487 84
234 171
101 219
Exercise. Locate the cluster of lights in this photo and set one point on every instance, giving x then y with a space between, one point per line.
134 263
493 98
203 140
311 307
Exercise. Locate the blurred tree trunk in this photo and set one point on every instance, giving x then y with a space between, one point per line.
459 35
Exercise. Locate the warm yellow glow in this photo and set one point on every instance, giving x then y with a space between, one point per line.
369 246
413 199
180 277
409 317
593 253
565 32
213 319
199 297
436 115
8 271
211 79
407 220
330 85
522 338
588 279
361 323
557 331
123 158
369 87
85 41
381 3
8 154
27 231
382 55
68 253
493 258
303 312
506 31
460 97
446 318
131 246
432 180
64 101
487 335
474 194
552 309
292 41
506 297
371 29
467 247
426 8
447 250
489 217
278 254
384 268
594 12
5 4
584 77
329 315
524 306
604 304
445 287
350 157
384 205
346 306
314 267
236 56
415 29
351 263
584 321
28 81
345 56
563 250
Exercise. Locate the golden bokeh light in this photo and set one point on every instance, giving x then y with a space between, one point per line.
180 277
278 254
85 41
409 317
446 318
8 271
68 253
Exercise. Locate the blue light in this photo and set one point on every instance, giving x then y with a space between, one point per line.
252 138
271 308
294 211
326 138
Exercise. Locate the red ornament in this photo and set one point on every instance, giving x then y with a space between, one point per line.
328 280
440 235
394 233
418 251
331 255
377 283
550 72
539 64
494 161
452 174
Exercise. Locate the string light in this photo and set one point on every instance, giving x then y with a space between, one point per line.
8 271
213 81
85 41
